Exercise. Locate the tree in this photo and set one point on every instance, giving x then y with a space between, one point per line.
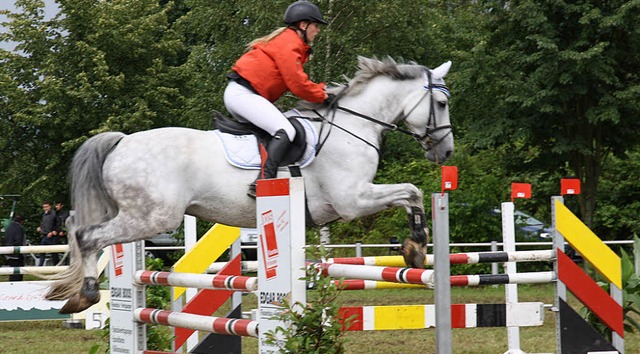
24 121
555 81
619 194
97 66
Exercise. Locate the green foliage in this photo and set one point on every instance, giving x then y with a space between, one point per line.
315 327
619 198
97 66
630 294
159 297
550 74
631 289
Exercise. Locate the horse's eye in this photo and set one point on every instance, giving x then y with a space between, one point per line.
442 104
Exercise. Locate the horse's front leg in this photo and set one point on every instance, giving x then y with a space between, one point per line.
377 197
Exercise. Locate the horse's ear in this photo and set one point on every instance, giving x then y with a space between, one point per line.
441 71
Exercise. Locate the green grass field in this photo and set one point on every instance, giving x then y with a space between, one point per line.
51 337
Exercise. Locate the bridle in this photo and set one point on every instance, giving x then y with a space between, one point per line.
426 140
429 142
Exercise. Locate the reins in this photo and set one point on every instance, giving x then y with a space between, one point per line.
333 107
390 126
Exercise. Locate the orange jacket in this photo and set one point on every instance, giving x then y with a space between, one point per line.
274 67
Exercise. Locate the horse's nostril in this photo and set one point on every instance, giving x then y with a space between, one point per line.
448 154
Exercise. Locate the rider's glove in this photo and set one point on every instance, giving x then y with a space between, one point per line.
331 101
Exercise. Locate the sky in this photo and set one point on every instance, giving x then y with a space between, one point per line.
50 10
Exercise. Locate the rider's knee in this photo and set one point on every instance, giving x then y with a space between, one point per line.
291 132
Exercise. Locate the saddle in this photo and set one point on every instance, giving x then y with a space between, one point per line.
234 127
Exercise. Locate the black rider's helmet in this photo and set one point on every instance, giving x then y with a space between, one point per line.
303 11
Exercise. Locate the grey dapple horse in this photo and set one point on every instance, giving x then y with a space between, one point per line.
132 187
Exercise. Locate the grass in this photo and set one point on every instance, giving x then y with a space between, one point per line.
45 337
51 337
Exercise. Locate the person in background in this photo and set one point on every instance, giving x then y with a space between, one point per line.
273 65
48 231
15 236
61 218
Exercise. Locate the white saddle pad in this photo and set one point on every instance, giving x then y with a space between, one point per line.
242 150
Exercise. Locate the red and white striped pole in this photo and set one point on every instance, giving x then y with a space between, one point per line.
455 258
231 326
390 274
200 281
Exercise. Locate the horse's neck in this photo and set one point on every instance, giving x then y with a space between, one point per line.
382 99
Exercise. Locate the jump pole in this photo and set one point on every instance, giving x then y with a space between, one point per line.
398 261
34 249
428 276
454 258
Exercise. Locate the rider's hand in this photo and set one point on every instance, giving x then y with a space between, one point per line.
331 100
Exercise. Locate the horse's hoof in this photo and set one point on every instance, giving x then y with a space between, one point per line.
90 290
414 254
77 304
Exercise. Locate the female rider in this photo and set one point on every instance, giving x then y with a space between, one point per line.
273 65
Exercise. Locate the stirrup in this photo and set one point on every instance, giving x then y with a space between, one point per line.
252 190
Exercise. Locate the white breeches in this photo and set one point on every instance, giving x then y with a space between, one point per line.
242 102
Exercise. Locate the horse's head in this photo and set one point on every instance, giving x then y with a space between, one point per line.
387 93
426 113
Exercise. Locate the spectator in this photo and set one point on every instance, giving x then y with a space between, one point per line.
15 236
61 217
48 231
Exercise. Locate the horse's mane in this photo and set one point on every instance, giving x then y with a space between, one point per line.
368 69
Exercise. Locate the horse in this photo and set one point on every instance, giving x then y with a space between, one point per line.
127 188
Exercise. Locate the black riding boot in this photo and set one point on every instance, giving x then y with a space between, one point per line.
276 151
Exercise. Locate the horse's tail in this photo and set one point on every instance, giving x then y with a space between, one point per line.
92 205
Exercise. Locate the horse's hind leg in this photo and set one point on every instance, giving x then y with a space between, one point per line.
414 249
89 292
121 229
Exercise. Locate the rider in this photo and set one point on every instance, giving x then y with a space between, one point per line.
273 65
